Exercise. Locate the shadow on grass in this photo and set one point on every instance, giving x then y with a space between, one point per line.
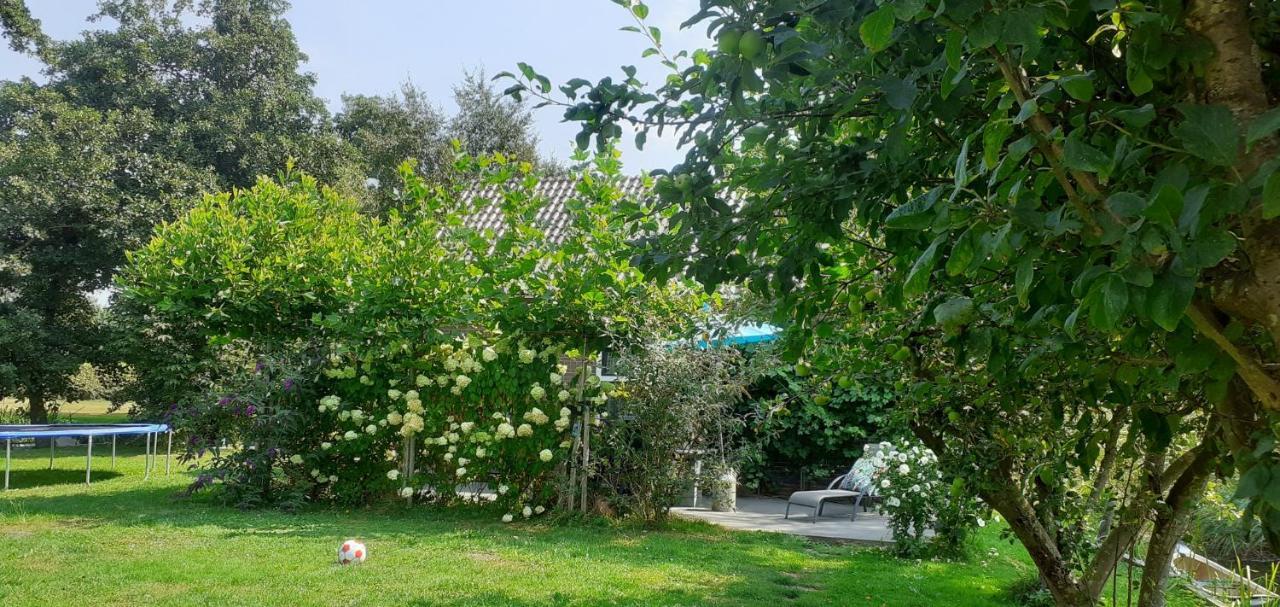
29 479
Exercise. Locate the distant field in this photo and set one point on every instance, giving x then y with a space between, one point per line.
78 411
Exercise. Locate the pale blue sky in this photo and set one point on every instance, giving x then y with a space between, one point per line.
373 45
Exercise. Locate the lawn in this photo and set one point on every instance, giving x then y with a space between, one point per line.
79 411
124 541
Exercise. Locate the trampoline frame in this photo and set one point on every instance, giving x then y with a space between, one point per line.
53 432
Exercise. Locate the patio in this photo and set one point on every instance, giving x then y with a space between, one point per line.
766 514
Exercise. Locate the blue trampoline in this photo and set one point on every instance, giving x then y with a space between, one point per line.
10 433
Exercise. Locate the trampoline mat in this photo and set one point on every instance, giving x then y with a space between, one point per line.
65 430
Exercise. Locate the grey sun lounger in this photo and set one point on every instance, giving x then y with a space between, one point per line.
859 486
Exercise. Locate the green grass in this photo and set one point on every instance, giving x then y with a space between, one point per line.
79 411
124 541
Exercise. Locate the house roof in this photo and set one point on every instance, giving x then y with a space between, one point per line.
554 215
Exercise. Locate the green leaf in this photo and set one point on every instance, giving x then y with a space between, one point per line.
954 49
1168 299
918 277
993 137
962 164
1139 82
1022 278
876 30
953 313
1263 126
907 9
1255 481
915 214
640 9
1208 132
1271 196
1079 86
1083 157
1126 204
1112 300
1164 207
1138 117
962 254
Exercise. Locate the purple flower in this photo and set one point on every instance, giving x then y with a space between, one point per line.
250 410
288 384
224 401
258 368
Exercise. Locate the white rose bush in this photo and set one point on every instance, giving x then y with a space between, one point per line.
919 502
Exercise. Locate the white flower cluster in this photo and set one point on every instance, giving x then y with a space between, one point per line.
330 403
536 416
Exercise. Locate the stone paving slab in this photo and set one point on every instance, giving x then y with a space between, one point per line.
765 514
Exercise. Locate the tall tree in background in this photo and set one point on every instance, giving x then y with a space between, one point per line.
386 131
489 122
174 100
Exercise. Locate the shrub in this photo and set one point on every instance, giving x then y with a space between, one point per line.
421 338
677 406
917 500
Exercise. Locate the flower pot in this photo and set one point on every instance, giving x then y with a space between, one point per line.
724 491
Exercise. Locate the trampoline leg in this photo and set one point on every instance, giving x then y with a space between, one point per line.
168 453
88 462
7 443
113 452
52 442
146 457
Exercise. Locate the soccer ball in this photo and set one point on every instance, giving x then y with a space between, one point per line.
352 552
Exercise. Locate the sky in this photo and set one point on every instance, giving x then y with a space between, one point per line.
372 46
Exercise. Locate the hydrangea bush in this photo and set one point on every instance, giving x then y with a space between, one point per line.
918 501
417 338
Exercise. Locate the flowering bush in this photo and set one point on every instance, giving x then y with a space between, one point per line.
916 499
432 352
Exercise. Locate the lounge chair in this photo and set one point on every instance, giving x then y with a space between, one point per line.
852 486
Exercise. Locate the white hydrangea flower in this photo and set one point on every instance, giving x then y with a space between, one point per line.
562 368
462 461
371 428
565 412
344 416
350 435
460 472
537 392
448 457
884 484
506 518
562 424
489 354
527 512
315 472
505 430
364 379
526 355
981 523
467 427
326 445
453 448
904 469
539 510
456 390
481 452
564 395
463 381
411 395
565 444
915 488
451 364
393 394
406 492
556 378
503 489
545 455
894 502
498 415
524 430
421 380
442 381
394 418
415 406
333 478
393 474
452 437
295 458
357 415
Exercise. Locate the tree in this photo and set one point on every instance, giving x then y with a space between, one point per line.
386 131
221 78
176 99
79 190
488 122
1071 205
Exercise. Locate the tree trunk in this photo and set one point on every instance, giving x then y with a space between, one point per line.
1172 519
37 409
1067 591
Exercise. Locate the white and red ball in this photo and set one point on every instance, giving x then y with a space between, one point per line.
352 552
